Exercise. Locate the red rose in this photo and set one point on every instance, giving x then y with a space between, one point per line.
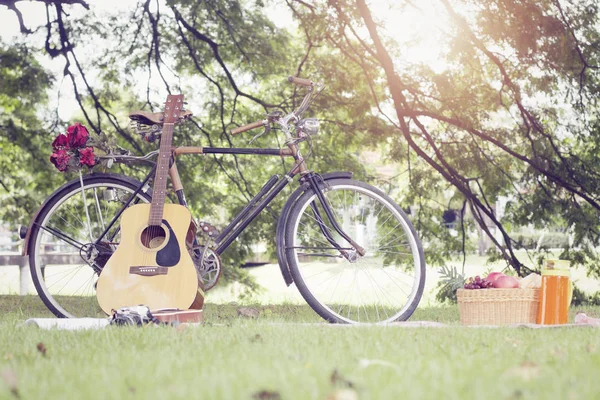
60 159
77 135
60 142
86 157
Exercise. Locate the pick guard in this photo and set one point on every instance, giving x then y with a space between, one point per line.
169 255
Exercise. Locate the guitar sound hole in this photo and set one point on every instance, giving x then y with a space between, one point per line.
153 236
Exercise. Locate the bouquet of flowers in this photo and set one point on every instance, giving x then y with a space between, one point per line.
72 151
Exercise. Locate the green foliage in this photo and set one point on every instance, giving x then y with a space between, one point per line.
450 281
549 240
580 298
24 140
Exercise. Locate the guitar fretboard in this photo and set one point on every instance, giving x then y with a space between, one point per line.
171 113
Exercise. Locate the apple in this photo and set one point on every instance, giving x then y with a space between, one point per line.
506 282
493 276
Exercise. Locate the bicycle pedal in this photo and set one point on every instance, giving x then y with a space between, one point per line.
207 229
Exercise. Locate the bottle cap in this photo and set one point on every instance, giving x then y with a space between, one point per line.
557 268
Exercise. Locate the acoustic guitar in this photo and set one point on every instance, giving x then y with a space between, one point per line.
151 265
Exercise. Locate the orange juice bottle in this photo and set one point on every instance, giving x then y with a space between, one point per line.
555 294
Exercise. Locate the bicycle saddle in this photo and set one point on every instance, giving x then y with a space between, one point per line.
148 118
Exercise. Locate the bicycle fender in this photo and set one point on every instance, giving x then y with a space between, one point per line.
282 223
27 238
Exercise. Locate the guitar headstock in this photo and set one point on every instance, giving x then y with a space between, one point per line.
173 108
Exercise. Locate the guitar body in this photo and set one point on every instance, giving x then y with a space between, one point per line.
151 265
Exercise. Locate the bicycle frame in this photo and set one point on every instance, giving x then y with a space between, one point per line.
258 203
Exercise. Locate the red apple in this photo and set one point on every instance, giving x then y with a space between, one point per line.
506 282
493 276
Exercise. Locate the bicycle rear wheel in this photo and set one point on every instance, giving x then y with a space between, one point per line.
384 285
63 257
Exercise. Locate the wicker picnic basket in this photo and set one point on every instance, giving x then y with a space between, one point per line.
498 306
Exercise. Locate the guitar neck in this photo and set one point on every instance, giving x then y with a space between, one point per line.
160 179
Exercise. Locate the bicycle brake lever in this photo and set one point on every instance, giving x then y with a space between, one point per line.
267 129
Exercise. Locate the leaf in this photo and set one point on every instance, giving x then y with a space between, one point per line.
10 378
256 338
527 371
266 395
41 348
451 277
338 380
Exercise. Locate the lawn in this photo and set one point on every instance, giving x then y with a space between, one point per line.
288 353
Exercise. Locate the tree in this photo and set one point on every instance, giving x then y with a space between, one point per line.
229 60
22 135
502 56
512 114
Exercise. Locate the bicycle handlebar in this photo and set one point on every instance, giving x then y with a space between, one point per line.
296 114
245 128
300 81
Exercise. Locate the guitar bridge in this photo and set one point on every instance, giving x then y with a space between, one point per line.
148 271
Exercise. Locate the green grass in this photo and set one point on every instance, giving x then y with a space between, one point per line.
233 358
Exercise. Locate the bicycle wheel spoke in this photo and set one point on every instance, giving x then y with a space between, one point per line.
68 223
320 239
98 208
70 275
317 222
83 286
391 230
378 301
62 236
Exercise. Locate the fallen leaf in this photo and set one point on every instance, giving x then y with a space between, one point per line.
558 353
41 348
10 378
517 394
527 371
338 380
247 312
591 348
573 395
256 338
266 395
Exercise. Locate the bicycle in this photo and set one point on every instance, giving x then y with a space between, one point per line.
351 251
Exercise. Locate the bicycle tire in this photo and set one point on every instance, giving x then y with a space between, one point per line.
330 266
54 206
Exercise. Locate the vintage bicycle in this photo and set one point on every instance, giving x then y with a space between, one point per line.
350 250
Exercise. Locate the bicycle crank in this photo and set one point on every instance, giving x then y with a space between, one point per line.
208 266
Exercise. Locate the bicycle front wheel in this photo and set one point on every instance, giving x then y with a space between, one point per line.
64 258
384 285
